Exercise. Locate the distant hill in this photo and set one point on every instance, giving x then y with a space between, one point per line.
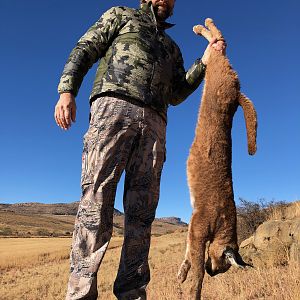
43 208
40 219
172 220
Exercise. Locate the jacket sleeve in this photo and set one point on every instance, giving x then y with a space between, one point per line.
185 83
91 46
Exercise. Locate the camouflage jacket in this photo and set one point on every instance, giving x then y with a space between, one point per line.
138 60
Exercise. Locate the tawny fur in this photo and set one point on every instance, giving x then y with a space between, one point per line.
209 169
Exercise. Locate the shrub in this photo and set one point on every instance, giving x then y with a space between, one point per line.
6 231
43 232
252 214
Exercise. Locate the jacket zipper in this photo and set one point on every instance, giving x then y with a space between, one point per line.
153 17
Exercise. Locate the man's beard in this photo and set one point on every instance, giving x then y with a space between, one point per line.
161 12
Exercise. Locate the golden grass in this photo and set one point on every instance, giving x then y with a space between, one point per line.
21 253
32 269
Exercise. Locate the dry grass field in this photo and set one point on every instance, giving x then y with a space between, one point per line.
37 269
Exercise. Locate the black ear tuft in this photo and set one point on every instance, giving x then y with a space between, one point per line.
235 259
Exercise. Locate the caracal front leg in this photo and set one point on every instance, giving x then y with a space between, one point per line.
186 264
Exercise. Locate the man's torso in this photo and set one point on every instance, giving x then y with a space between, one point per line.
140 61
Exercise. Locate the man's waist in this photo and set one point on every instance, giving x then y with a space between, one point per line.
131 100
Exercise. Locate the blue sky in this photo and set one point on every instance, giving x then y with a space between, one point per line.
40 162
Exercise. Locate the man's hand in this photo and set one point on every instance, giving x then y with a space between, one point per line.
65 111
215 45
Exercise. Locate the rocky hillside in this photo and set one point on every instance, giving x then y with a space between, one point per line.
277 240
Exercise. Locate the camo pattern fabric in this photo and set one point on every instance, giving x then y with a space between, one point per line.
121 136
137 59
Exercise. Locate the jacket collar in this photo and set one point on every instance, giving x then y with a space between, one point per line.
147 7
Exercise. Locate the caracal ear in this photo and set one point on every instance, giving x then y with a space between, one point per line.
235 259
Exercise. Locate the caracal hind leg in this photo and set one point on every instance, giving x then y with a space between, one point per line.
216 33
201 30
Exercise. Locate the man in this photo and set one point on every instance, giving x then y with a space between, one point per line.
140 74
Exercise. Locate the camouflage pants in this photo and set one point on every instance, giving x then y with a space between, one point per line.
121 136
